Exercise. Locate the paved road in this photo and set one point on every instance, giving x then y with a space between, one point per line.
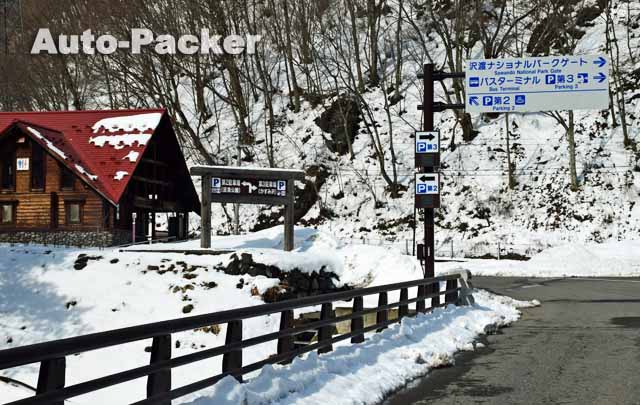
582 346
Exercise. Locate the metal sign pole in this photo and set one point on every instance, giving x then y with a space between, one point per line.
429 234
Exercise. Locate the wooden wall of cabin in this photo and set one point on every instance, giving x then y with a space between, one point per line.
162 174
45 209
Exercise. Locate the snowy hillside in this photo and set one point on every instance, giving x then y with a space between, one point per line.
479 211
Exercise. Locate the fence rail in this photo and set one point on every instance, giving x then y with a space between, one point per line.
52 355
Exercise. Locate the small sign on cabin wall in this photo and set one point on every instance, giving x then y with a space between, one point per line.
22 164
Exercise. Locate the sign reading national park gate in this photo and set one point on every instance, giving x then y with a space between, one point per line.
245 185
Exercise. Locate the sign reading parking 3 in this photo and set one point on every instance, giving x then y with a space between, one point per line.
427 149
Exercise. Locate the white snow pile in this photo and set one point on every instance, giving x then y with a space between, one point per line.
355 265
612 259
366 373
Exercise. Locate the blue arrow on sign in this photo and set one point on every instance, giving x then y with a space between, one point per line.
473 100
600 77
600 62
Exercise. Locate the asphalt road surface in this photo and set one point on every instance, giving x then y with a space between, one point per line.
582 346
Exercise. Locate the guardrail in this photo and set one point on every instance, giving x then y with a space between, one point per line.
52 355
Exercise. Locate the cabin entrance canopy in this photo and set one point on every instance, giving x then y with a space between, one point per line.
244 185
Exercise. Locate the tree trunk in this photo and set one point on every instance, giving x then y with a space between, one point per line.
572 153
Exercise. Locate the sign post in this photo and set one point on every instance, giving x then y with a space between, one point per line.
243 185
537 84
133 227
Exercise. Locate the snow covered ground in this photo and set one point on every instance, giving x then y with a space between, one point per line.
612 259
365 373
44 298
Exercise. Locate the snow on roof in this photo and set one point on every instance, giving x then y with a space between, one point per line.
120 141
132 156
50 145
120 175
129 123
86 173
81 140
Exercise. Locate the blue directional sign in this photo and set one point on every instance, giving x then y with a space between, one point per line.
427 149
537 84
427 193
427 184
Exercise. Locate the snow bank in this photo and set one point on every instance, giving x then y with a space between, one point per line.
355 265
367 372
613 259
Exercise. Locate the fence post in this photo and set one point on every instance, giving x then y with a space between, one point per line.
435 289
420 305
160 382
285 343
403 309
498 250
324 333
51 377
383 315
451 297
466 289
452 249
357 323
232 361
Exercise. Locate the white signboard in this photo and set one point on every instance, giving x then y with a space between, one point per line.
537 84
428 142
427 184
22 164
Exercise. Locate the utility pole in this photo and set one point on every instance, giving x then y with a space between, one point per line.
428 203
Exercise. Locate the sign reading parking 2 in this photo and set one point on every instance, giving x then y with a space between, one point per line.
427 190
427 149
537 84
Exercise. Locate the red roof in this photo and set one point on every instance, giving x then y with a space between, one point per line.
101 147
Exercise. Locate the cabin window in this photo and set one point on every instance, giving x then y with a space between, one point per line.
38 165
74 212
8 172
7 213
67 178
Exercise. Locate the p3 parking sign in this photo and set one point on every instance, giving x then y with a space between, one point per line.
427 149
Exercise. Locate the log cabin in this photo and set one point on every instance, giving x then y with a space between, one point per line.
92 178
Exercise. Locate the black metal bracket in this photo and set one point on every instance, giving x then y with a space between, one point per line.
439 107
440 75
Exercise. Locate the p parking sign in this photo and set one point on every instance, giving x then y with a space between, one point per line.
427 190
427 149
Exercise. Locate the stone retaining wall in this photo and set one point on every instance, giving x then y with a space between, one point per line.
68 238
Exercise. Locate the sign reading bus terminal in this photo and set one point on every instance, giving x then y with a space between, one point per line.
537 84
